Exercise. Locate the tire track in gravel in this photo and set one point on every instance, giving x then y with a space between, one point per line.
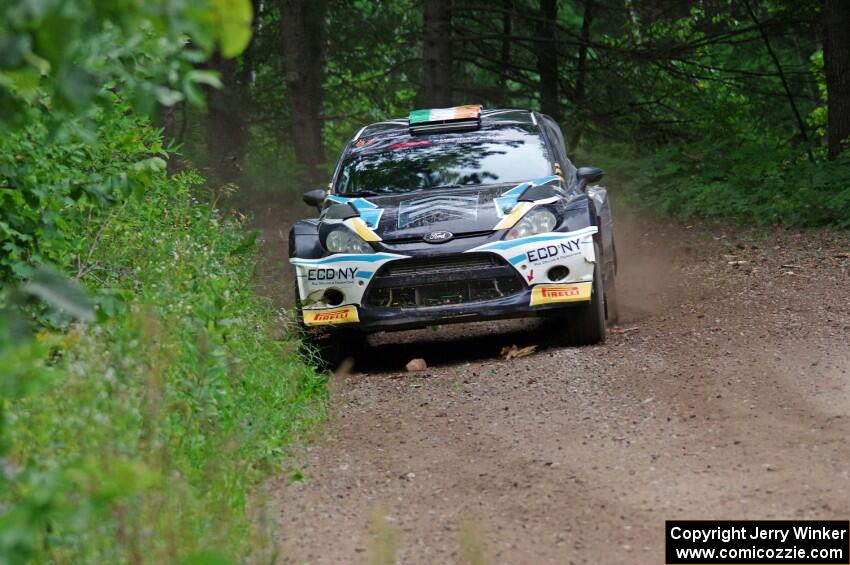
731 399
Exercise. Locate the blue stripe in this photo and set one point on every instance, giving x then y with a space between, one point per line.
522 241
544 180
517 259
357 202
371 217
370 213
504 205
515 191
365 274
506 202
368 258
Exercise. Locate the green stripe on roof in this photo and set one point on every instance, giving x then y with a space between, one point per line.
419 116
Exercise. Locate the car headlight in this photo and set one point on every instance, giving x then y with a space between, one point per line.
537 221
343 240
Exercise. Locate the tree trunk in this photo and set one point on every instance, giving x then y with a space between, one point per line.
302 28
581 73
788 94
836 59
547 59
437 83
248 68
226 131
505 56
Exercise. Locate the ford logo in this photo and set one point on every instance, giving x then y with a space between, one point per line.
438 236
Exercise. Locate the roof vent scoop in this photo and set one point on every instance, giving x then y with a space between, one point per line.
435 120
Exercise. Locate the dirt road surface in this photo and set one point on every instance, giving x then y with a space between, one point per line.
725 393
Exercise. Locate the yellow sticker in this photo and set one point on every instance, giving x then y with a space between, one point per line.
363 230
518 212
344 315
551 293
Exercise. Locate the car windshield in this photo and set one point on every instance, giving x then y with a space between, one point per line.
509 154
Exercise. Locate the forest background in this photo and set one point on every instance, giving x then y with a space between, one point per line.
148 388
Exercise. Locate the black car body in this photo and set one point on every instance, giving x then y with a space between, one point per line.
423 224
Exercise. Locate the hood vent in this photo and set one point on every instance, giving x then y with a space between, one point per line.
441 208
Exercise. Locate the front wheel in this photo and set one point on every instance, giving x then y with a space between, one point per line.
585 324
612 307
326 347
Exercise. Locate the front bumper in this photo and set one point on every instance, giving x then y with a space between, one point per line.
513 306
555 270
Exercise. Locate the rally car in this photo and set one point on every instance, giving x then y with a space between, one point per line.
457 215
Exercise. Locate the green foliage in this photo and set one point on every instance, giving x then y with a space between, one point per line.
140 438
817 118
708 131
689 91
371 73
747 180
232 25
55 189
61 54
140 433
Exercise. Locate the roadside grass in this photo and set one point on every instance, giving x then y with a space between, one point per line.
144 436
384 539
471 541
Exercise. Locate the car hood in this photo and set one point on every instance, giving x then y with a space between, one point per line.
411 216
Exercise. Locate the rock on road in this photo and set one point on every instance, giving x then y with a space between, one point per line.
727 396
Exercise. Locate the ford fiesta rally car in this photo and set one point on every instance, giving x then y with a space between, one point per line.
457 215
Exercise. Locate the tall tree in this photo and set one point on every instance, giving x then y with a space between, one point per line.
547 59
437 83
302 30
581 71
781 73
505 51
226 131
836 59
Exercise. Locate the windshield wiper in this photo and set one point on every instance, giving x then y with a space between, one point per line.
393 192
362 193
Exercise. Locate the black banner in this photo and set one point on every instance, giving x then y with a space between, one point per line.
760 542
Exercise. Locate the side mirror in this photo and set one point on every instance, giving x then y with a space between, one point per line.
587 175
315 198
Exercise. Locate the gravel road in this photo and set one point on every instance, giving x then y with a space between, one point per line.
724 393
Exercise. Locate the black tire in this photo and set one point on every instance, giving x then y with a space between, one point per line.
585 325
612 307
322 348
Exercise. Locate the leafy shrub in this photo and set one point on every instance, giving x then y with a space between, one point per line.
60 54
755 179
56 184
142 436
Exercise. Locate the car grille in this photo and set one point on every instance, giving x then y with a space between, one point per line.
418 238
440 281
433 265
